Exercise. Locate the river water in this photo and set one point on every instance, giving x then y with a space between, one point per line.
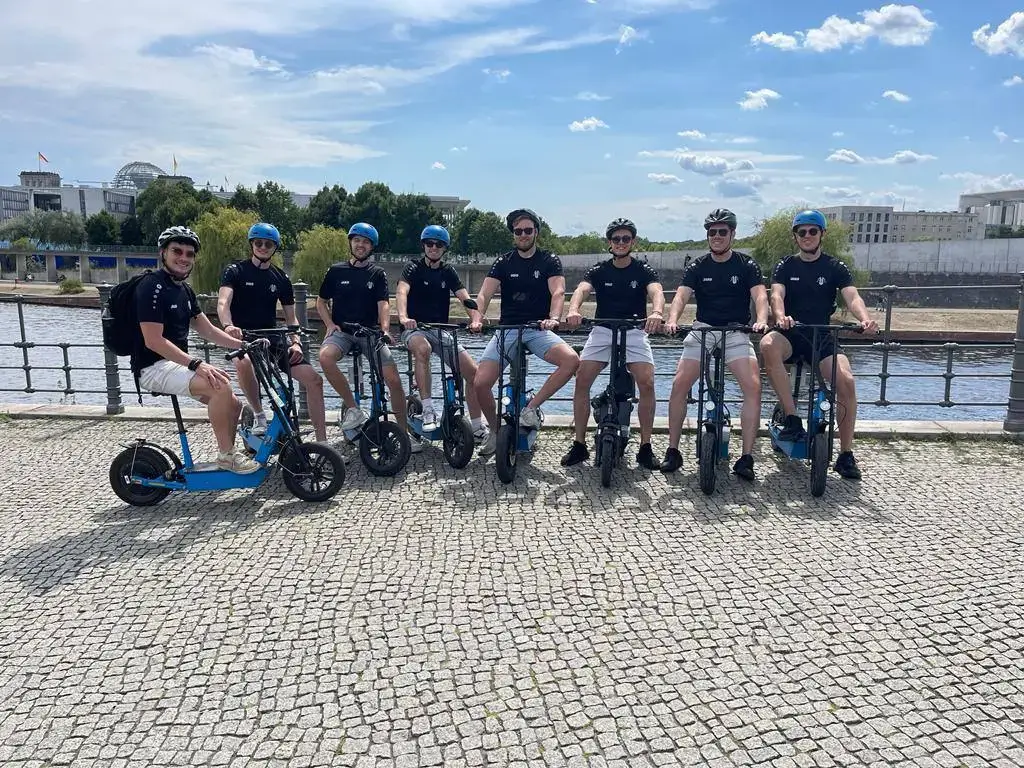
912 371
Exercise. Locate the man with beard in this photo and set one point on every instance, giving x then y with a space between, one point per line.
723 281
623 286
356 291
804 289
423 296
248 296
167 308
532 290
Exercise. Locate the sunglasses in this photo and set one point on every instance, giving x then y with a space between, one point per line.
433 244
807 232
621 239
724 232
522 231
260 243
177 250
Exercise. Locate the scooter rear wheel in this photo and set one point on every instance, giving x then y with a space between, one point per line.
141 461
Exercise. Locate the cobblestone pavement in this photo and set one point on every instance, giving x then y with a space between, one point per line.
441 618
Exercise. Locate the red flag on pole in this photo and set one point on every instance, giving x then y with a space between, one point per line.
43 157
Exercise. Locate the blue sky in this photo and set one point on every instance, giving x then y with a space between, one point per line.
658 110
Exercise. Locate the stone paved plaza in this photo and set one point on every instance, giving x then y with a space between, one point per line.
441 618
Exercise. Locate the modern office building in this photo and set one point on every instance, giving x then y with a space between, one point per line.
1004 208
884 224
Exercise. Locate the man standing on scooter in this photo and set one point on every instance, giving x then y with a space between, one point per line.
804 289
356 291
166 308
623 286
248 296
723 281
532 290
424 295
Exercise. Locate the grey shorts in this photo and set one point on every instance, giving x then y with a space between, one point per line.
737 344
437 338
346 342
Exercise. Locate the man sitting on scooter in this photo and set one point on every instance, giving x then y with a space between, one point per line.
424 295
723 281
356 291
804 289
249 292
167 307
623 286
532 290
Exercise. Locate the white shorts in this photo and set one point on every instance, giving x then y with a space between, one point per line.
598 346
166 377
737 344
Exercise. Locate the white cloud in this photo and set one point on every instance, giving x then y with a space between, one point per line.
586 124
898 25
244 58
758 99
458 149
896 96
741 140
607 155
501 75
978 182
438 166
838 134
591 96
1007 38
660 206
895 131
711 165
664 178
903 157
1001 135
627 35
841 193
692 134
748 185
1012 81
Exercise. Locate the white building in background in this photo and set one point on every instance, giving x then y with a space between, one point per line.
884 224
43 191
1004 208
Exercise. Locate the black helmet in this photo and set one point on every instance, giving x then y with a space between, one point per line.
178 235
620 224
720 216
521 213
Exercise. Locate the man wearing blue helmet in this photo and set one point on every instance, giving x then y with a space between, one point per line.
424 295
356 291
804 289
247 300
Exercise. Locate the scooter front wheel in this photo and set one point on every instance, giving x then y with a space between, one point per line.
609 453
140 461
384 448
505 453
312 472
708 459
457 443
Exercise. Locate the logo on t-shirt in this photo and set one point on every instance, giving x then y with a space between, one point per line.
821 280
369 285
443 285
273 287
734 279
632 284
536 274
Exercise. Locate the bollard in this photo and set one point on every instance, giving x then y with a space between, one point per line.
302 317
1015 407
114 404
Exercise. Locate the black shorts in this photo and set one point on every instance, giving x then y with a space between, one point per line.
801 340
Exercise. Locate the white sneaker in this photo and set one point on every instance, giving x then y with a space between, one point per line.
259 424
529 418
490 445
415 443
429 418
480 434
352 418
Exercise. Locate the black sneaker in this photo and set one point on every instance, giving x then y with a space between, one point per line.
576 454
645 457
673 460
744 466
792 429
846 466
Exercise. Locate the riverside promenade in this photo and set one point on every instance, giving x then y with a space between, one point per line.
442 618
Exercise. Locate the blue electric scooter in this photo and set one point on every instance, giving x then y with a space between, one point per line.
145 472
454 430
513 438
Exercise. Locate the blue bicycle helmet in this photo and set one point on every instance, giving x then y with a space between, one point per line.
811 218
436 232
265 232
364 230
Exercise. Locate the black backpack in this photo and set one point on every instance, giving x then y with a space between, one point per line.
121 332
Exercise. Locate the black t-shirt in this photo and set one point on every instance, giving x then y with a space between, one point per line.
256 293
159 299
722 289
811 286
525 296
430 290
354 293
621 291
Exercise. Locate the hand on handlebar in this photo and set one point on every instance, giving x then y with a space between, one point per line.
654 322
387 338
233 331
759 327
409 325
573 319
670 328
868 326
548 325
785 323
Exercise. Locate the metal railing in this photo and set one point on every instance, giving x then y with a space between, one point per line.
889 350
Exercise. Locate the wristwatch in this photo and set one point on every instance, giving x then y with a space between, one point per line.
194 364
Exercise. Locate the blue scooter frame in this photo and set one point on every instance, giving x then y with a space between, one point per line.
513 438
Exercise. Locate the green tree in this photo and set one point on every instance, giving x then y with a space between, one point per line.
243 200
274 205
223 234
165 203
22 245
326 207
319 248
489 235
459 230
373 203
774 241
412 214
102 229
52 227
131 231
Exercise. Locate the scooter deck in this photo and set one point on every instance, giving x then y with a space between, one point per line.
796 450
207 476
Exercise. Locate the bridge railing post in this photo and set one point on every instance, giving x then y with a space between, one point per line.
1015 407
110 367
302 316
